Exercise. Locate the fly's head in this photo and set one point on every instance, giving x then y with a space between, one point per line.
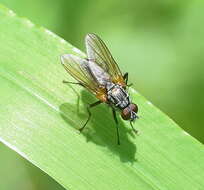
130 112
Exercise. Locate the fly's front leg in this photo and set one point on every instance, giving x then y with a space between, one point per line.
116 122
125 77
89 112
135 131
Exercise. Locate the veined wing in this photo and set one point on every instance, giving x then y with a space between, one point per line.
77 68
99 54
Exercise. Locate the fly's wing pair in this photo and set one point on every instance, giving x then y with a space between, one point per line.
98 53
77 68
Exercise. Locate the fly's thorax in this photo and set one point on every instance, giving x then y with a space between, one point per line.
117 95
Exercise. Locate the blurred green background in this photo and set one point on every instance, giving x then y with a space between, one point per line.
160 43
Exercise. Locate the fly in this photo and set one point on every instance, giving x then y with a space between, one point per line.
100 75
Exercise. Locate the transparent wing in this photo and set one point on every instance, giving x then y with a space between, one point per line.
77 68
99 53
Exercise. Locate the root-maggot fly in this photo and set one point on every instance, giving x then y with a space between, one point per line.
100 74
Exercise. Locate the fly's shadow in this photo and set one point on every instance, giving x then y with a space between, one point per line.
101 128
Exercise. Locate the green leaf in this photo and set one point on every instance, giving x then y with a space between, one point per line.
39 118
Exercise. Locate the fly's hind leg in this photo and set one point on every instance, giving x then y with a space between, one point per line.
75 91
125 77
89 112
116 122
67 82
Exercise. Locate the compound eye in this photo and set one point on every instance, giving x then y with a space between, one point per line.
126 113
133 107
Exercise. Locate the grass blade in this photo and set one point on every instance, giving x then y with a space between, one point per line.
39 116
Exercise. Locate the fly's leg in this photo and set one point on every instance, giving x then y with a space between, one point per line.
136 131
89 112
116 122
77 83
125 77
67 82
129 84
